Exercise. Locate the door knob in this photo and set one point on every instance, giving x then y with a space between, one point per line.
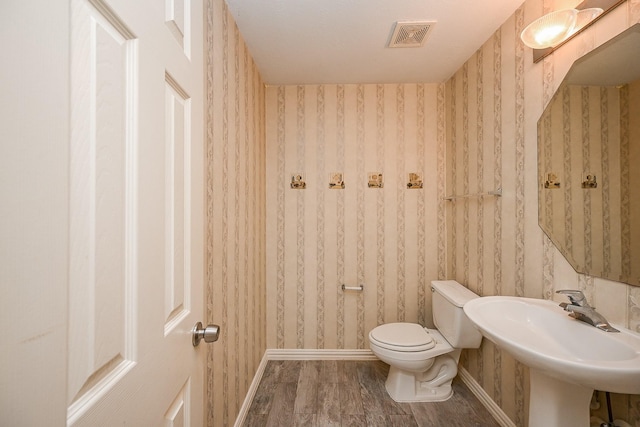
208 334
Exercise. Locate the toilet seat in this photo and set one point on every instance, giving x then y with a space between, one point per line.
404 337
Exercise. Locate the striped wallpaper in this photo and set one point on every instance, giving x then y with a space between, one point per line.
485 143
235 215
589 128
495 245
320 238
276 256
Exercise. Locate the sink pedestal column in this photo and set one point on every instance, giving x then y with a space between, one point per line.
556 403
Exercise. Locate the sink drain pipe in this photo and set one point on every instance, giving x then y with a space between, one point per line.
609 411
595 405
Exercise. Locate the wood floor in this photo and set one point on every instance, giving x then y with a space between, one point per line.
351 393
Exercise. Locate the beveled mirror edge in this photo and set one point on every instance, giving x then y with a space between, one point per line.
581 269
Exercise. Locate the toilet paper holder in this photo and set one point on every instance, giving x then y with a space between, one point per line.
352 288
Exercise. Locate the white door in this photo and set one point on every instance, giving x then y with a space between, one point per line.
102 195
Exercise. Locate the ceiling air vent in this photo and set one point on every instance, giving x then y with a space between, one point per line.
411 33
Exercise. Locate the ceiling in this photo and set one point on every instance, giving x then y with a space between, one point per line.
344 41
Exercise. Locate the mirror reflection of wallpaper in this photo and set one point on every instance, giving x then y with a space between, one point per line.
586 143
499 260
634 178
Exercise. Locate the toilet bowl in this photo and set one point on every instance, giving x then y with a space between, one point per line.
423 362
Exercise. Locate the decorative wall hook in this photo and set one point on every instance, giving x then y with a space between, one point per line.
415 181
297 181
335 181
552 181
375 180
589 181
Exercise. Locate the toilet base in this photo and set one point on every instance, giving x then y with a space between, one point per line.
434 385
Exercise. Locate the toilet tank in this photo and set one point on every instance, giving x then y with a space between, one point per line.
447 301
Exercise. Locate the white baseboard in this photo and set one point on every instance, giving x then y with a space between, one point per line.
484 398
253 387
318 354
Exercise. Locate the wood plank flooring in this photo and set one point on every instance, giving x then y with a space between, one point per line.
351 393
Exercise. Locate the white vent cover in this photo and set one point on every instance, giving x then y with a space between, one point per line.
411 33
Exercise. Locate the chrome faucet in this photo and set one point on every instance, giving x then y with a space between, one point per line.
580 309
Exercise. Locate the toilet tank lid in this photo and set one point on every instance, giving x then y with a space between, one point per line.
453 291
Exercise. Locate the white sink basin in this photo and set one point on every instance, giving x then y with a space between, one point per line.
567 358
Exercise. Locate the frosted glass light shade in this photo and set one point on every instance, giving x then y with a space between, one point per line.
584 17
550 29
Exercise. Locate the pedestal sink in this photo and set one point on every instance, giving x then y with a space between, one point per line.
568 359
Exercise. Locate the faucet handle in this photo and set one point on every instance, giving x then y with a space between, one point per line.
576 297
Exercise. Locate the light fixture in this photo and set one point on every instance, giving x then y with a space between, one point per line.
550 31
585 17
555 27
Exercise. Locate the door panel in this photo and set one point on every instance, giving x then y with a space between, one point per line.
178 21
136 215
177 257
102 226
102 189
178 413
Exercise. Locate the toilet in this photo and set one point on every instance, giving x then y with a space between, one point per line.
423 362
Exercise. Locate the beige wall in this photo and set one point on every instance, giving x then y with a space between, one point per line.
236 215
495 246
319 238
277 256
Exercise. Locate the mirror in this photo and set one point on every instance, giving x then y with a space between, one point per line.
589 162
